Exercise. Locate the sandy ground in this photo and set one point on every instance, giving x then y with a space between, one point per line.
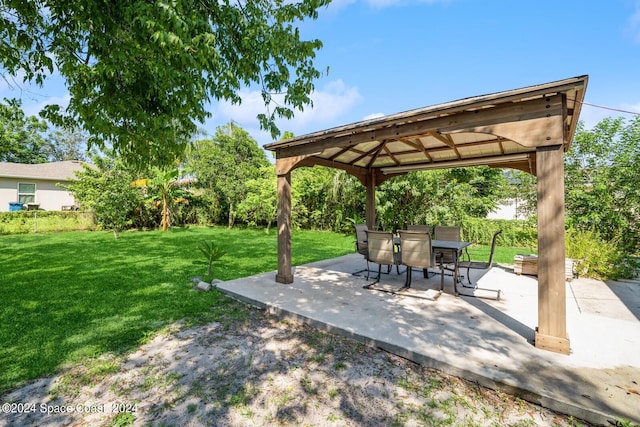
262 371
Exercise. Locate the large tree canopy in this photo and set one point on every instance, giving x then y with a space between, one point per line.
140 73
21 139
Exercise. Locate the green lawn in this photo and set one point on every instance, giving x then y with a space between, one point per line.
503 255
71 296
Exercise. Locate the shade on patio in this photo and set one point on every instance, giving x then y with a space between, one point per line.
528 129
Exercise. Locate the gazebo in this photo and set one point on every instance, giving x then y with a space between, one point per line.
528 129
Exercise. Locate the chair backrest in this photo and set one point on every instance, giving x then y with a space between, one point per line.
380 247
419 227
361 238
493 246
415 249
446 232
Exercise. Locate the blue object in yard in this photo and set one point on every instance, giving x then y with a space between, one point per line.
13 207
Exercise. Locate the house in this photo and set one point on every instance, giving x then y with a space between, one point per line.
36 186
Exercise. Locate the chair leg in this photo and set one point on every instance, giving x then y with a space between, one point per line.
377 279
470 285
364 270
477 288
369 285
407 280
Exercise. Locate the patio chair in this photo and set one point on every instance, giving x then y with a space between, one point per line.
361 248
416 252
419 227
446 232
480 265
381 250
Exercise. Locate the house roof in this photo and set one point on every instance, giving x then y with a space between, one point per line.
502 129
53 171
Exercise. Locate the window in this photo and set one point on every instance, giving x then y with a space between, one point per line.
26 193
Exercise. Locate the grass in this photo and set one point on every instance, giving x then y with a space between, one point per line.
75 296
503 255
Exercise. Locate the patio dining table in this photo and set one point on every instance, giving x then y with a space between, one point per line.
440 247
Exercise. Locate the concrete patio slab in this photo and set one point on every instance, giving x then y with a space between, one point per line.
481 339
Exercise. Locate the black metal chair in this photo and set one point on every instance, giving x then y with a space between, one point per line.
361 246
480 265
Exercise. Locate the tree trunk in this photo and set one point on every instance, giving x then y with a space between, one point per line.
230 225
165 214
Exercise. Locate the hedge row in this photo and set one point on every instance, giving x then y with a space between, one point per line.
515 233
24 222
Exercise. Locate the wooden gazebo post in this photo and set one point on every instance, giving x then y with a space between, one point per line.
283 172
370 203
284 274
551 333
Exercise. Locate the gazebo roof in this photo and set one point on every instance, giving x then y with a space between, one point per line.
502 129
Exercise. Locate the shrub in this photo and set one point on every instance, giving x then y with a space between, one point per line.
515 233
24 222
598 258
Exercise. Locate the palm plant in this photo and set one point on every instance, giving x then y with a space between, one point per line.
165 189
212 253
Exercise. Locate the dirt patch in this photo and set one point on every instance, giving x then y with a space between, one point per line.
263 371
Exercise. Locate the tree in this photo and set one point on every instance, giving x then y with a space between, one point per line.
260 204
443 197
141 73
67 144
165 189
225 164
522 189
20 136
105 188
602 175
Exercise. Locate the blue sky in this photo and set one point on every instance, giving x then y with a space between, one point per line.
389 56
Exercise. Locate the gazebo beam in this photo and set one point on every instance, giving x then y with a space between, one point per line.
522 112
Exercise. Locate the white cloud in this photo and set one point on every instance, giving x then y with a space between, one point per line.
373 116
380 4
330 103
591 115
337 5
631 107
33 108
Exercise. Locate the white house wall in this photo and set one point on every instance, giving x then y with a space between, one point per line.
49 196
